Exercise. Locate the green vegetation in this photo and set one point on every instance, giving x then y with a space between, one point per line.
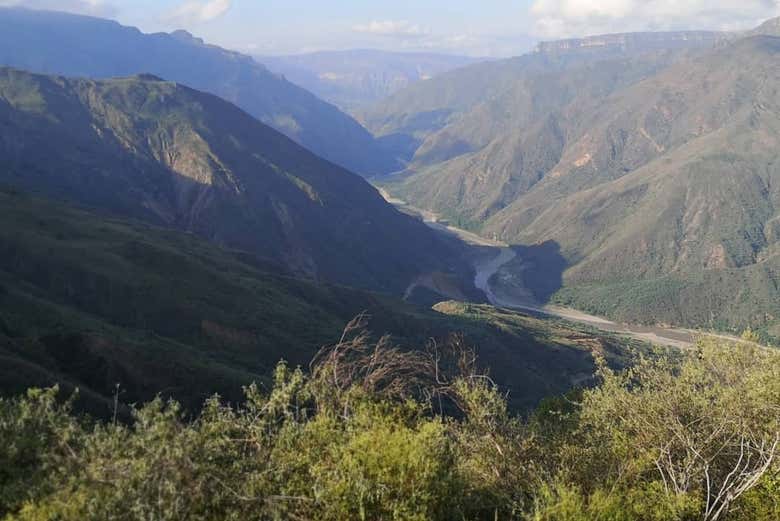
91 302
94 302
85 46
149 149
660 199
363 436
709 300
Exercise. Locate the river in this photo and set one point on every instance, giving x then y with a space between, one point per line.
490 263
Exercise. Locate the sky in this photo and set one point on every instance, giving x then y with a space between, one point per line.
489 28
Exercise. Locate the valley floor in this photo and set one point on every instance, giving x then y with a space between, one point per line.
494 254
524 301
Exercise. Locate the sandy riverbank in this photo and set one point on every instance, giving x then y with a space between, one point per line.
488 263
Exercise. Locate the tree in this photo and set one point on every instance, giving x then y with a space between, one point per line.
709 426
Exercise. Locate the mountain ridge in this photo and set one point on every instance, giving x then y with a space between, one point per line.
78 46
172 155
439 110
660 192
90 302
354 78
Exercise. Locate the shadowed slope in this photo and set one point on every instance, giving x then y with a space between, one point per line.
91 302
172 155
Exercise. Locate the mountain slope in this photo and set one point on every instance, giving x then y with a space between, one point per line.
92 302
502 147
71 45
769 28
175 156
654 175
690 193
351 79
439 110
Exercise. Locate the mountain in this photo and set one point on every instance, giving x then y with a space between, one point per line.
89 301
607 45
435 117
666 193
653 174
769 28
162 152
500 148
71 45
355 78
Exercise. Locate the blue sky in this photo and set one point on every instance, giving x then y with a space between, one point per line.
474 27
483 27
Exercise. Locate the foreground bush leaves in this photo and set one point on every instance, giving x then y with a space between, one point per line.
694 437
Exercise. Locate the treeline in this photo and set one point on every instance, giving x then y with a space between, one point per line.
372 432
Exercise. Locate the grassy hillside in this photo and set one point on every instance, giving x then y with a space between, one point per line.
163 152
90 301
655 177
501 148
461 111
96 301
687 196
60 43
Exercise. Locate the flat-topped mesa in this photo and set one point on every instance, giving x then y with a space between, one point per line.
632 42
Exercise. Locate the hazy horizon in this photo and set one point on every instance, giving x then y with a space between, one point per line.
492 28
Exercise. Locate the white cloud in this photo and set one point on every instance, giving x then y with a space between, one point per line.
89 7
402 35
563 18
392 28
199 11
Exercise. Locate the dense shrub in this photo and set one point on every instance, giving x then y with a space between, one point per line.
352 440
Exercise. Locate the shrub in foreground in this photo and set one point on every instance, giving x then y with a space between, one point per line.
363 435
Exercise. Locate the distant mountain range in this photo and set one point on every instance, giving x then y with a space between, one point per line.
650 160
162 152
422 114
71 45
355 78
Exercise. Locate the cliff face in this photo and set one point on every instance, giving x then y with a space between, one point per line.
634 42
